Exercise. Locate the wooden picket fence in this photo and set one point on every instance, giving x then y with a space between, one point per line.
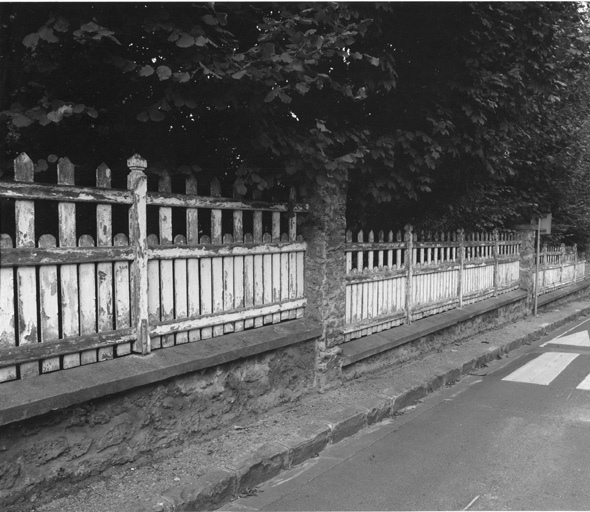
77 301
559 266
389 283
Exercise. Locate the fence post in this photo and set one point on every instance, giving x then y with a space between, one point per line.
137 183
496 254
561 262
409 239
575 249
461 251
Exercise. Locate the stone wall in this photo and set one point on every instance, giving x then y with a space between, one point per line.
82 441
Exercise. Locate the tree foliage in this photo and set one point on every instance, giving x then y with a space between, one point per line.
441 114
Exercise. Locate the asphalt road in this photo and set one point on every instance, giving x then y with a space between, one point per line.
513 436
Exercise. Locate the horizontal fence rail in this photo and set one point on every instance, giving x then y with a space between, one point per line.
559 266
407 277
79 298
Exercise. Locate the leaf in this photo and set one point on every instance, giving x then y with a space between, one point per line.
79 108
52 158
21 121
185 41
61 25
92 112
374 61
201 41
164 72
146 71
47 34
209 20
89 27
42 165
268 50
143 116
31 40
55 116
156 114
285 98
182 77
271 95
302 87
239 74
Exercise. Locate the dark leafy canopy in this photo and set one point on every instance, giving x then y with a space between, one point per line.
453 112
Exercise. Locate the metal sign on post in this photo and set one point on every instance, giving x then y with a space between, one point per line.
543 228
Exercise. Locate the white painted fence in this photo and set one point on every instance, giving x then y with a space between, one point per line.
559 266
75 301
392 282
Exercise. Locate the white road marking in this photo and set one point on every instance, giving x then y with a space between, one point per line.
563 333
585 384
543 369
577 339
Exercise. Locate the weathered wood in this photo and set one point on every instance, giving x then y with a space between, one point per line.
180 290
248 284
258 286
27 256
228 285
137 183
68 273
207 250
71 194
239 281
53 349
48 295
217 296
267 278
223 318
220 203
154 302
7 311
167 282
192 214
87 288
104 271
410 262
206 293
121 299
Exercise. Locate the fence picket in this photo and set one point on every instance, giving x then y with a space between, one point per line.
7 313
48 296
104 271
154 313
68 273
228 284
121 299
180 290
248 281
87 287
166 266
206 289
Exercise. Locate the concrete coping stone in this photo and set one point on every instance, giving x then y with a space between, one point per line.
548 298
27 398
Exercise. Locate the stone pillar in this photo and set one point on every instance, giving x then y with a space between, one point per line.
526 235
323 228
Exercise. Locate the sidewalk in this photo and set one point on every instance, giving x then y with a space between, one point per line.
209 474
